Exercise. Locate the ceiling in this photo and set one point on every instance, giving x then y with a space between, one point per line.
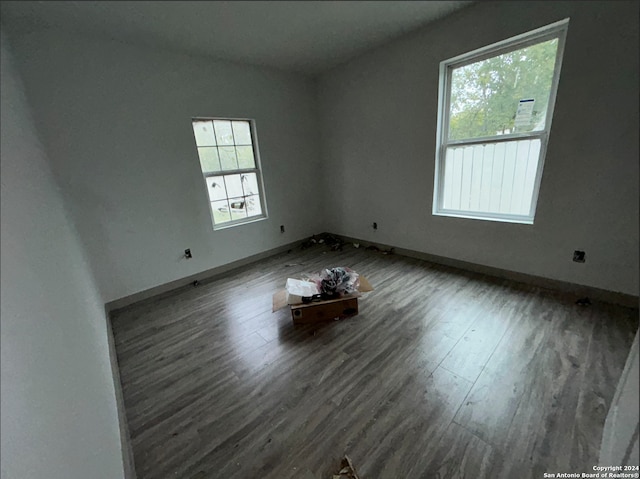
304 36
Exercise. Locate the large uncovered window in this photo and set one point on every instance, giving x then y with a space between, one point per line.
494 118
230 166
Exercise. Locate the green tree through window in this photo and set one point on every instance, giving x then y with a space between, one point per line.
485 94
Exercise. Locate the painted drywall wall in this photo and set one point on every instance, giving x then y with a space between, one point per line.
116 121
378 122
620 435
58 406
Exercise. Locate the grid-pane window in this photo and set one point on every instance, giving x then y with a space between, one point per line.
494 119
230 166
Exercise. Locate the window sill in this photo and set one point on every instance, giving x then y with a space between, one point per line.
239 223
471 216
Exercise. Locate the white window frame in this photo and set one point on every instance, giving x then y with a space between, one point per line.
257 170
555 30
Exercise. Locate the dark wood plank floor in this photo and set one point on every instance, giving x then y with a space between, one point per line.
443 374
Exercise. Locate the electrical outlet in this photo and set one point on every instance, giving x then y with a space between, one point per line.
375 225
187 253
579 256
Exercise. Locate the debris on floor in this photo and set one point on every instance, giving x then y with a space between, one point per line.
309 243
584 302
334 243
347 470
375 249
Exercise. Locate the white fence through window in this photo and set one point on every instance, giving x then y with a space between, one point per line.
491 178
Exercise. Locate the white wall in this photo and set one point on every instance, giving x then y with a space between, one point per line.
58 406
378 121
116 121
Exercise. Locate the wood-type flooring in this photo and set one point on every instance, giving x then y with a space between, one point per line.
443 374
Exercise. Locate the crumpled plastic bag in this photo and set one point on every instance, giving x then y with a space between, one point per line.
337 281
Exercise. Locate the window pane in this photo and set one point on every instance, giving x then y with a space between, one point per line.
203 131
209 159
250 184
221 213
234 186
253 206
245 157
228 157
241 133
216 188
485 95
494 178
224 135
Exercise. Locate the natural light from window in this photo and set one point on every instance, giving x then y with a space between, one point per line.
496 106
230 166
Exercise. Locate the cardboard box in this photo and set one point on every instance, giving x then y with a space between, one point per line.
326 310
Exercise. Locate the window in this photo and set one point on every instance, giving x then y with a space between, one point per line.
494 118
230 166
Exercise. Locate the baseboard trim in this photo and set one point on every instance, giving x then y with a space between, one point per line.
207 275
128 463
578 290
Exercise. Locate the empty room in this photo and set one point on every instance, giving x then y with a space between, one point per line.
320 239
